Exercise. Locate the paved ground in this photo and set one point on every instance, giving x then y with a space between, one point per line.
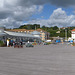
40 60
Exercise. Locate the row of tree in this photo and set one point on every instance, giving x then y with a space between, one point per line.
29 26
52 30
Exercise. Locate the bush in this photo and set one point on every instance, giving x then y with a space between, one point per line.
1 43
34 43
49 43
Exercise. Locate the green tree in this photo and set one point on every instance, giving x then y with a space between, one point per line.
29 26
55 28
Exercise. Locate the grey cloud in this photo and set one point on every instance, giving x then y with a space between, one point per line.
62 3
21 10
23 13
18 10
10 22
5 13
31 2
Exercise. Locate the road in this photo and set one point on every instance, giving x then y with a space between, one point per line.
41 60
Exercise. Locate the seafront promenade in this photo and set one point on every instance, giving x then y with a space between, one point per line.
40 60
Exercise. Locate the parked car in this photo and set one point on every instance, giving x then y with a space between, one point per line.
29 45
54 43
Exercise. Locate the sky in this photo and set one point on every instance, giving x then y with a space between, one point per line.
14 13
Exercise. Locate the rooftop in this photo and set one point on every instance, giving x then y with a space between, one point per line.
73 30
16 30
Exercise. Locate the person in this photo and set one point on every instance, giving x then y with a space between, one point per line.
21 43
13 43
28 41
7 43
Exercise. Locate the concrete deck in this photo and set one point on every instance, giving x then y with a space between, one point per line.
40 60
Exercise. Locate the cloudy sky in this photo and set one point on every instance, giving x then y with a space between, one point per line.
14 13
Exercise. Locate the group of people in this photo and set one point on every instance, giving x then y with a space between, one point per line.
13 43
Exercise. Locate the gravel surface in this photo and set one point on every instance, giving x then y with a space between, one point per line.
40 60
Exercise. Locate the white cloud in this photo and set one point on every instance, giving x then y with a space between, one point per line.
40 8
58 14
58 18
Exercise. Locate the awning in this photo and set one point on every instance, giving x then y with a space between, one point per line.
20 34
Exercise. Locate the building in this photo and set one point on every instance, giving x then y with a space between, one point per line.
2 34
72 38
23 35
43 34
73 34
17 36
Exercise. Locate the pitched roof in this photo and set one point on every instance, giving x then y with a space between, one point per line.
73 30
16 30
20 34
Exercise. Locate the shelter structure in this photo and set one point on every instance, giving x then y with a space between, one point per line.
17 36
44 35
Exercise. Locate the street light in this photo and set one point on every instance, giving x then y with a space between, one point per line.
65 34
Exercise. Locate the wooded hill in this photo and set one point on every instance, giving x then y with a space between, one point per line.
54 31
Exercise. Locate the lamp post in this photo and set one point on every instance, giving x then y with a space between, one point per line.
65 34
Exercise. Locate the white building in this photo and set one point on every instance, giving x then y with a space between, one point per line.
73 34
